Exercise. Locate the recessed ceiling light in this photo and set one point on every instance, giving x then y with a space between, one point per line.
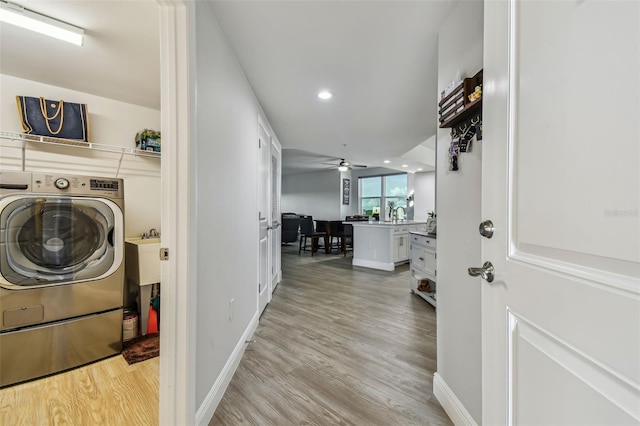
325 95
386 161
419 170
405 165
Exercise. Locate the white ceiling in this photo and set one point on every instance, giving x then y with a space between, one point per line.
120 58
379 59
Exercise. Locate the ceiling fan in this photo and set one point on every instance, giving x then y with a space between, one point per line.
344 165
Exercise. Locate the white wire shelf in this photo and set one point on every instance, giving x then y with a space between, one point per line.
22 137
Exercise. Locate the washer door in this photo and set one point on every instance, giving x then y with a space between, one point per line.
52 240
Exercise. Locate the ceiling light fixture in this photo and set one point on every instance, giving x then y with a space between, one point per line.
343 168
325 95
386 161
14 14
405 165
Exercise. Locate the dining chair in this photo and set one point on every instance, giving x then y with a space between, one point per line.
336 231
290 224
347 238
307 231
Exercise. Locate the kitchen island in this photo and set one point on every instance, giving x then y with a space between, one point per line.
383 245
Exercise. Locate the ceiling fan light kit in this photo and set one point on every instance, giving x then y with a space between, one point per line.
344 165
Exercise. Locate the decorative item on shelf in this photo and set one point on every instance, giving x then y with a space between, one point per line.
58 119
148 140
424 285
477 94
431 214
462 102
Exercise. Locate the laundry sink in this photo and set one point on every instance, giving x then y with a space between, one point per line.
142 260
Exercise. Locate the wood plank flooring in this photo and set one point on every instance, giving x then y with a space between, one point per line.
337 345
108 392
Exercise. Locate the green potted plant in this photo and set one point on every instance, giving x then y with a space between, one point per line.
148 140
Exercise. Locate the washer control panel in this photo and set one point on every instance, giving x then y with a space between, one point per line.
77 185
104 184
61 183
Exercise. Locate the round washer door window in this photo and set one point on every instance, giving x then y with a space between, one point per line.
59 236
50 240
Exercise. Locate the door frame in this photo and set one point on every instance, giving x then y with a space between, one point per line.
177 399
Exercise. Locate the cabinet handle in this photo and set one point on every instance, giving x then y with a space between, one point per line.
421 258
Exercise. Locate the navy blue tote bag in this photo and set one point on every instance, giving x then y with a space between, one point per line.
58 119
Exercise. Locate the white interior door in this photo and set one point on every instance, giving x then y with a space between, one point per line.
561 320
276 226
264 207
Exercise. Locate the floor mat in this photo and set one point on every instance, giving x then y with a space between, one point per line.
141 348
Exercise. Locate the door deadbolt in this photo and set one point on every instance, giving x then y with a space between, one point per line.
486 272
486 229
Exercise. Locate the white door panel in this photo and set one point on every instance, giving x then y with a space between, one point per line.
276 226
561 182
581 384
264 205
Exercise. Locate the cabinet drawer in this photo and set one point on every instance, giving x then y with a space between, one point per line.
422 240
417 259
400 230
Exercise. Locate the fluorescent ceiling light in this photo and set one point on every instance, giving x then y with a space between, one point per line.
17 15
325 95
343 168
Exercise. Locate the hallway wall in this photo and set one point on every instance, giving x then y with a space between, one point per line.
458 201
226 211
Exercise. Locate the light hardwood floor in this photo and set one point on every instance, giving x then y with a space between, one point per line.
107 392
337 345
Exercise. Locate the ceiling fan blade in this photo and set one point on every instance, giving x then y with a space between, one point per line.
357 165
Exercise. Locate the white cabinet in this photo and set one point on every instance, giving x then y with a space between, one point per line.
382 245
423 266
401 245
400 248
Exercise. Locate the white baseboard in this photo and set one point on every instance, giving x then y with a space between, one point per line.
451 404
210 403
384 266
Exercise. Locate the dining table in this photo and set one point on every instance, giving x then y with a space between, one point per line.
333 228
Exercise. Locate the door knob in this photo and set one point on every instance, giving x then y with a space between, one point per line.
486 229
486 272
